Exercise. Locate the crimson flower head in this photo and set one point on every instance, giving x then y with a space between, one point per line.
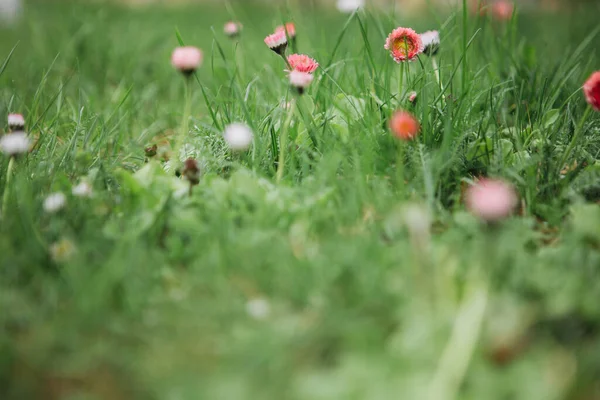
491 199
404 44
277 42
591 89
503 10
302 63
290 28
404 125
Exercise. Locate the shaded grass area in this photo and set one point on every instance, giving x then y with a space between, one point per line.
152 303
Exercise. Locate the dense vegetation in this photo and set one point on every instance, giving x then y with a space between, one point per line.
318 286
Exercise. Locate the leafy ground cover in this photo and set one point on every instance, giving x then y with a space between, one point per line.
358 273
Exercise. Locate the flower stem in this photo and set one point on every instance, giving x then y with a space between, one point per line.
575 138
400 168
436 72
285 59
283 136
6 194
400 81
187 110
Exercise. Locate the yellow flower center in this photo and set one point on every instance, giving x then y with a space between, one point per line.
403 46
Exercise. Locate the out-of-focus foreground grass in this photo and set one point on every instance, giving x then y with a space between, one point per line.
313 288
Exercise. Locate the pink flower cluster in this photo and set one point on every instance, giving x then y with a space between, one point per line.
300 66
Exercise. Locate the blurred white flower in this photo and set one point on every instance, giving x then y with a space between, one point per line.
348 6
258 308
300 80
431 42
83 189
14 143
418 222
62 250
55 202
10 10
238 137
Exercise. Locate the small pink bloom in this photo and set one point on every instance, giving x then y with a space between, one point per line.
491 199
503 10
404 44
412 96
232 29
300 80
277 42
186 59
290 28
302 63
591 89
404 125
16 122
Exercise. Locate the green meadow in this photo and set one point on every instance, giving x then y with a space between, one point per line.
359 273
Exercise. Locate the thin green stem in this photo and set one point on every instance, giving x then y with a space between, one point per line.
5 197
285 59
283 136
436 72
575 138
400 81
187 110
309 121
400 167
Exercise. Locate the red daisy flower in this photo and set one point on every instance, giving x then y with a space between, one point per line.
404 125
591 88
503 10
302 63
404 44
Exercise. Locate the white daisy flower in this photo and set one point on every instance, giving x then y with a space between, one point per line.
258 308
349 6
55 202
83 189
14 143
238 136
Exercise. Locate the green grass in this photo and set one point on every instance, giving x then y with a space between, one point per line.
152 304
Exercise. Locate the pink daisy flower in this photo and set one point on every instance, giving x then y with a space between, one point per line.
591 89
300 80
16 122
404 44
412 96
302 63
503 10
404 125
277 42
491 199
232 29
186 59
290 28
